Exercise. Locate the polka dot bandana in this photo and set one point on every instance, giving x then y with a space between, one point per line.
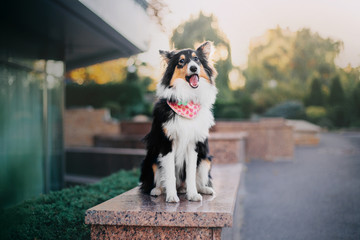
187 110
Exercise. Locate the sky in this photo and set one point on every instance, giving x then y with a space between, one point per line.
243 20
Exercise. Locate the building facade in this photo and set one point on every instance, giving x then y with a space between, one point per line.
42 39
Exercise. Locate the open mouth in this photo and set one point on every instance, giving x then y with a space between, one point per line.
193 80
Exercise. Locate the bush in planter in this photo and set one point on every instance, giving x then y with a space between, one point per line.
315 113
290 110
124 99
60 215
240 108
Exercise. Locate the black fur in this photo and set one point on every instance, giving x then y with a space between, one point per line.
156 143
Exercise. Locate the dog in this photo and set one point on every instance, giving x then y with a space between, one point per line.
177 158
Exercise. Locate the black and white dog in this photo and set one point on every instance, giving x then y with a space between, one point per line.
177 157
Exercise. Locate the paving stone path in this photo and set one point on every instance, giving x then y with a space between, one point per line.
316 196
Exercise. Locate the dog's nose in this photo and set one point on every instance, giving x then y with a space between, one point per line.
193 68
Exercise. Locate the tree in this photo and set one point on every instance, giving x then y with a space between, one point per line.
269 59
338 109
290 60
355 106
337 95
101 73
312 53
316 96
197 30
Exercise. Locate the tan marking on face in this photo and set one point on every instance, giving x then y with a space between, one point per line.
203 74
154 168
178 73
193 54
182 56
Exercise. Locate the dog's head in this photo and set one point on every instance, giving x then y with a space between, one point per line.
189 72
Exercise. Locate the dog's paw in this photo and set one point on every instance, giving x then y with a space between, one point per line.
172 198
194 197
207 190
155 192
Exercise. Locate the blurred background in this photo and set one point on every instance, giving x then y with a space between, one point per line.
72 70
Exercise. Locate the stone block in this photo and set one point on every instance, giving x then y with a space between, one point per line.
305 133
268 139
119 141
82 124
134 215
135 128
228 147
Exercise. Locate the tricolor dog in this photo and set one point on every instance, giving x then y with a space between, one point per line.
177 159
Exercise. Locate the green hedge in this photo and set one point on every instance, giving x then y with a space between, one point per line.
123 99
60 215
289 110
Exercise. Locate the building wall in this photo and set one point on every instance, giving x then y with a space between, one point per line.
31 142
82 124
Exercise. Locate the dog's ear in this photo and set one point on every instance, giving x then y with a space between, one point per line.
205 49
166 55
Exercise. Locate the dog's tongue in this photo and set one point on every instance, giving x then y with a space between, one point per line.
194 81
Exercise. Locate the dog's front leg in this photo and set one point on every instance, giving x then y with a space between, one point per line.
191 158
168 163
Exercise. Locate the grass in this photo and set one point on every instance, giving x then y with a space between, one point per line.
60 215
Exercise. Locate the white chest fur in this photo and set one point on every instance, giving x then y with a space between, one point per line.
190 130
187 132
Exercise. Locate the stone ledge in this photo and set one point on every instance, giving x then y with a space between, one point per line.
107 150
228 136
155 233
227 147
101 161
136 209
268 139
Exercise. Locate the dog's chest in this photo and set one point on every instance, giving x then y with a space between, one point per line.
187 130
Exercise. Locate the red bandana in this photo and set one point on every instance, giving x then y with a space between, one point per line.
187 110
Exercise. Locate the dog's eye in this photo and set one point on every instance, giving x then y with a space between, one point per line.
182 61
196 59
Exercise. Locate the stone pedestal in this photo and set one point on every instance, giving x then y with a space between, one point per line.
305 133
268 139
134 215
228 147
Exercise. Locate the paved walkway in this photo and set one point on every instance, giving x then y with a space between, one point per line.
317 196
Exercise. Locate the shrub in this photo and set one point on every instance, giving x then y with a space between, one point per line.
290 110
124 99
315 113
240 108
60 215
229 110
338 114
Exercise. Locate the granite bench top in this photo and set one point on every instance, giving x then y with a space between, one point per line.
133 208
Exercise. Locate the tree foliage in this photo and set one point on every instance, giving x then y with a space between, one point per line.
281 65
195 31
313 54
101 73
316 97
337 96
